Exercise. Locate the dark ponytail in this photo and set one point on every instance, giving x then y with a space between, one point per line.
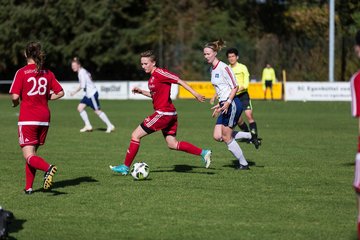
33 51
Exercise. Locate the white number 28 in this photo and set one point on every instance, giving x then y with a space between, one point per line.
39 87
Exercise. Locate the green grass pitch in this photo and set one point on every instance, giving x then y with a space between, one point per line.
299 185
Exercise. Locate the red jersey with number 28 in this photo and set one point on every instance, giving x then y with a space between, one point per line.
34 90
160 88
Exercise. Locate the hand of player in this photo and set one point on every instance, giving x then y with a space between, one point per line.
216 111
200 98
15 104
72 94
15 100
136 90
225 107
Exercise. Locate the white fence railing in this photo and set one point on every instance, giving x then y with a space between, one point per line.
110 90
293 91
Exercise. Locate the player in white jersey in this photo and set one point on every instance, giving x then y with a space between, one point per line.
229 107
90 99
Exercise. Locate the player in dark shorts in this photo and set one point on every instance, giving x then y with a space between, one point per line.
242 77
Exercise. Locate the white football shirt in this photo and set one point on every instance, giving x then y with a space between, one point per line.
86 82
223 79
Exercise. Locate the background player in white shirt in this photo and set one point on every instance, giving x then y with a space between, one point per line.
229 107
90 99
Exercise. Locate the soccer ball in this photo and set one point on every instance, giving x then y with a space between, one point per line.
140 171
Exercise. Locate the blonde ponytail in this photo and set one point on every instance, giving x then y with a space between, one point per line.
216 45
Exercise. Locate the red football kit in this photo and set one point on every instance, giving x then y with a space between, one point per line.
34 89
165 117
160 87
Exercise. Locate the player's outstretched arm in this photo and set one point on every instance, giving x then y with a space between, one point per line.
75 91
137 90
55 96
15 98
197 95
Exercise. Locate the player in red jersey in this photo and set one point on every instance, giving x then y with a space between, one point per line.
32 87
355 108
164 118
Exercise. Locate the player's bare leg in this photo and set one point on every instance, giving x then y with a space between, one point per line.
217 135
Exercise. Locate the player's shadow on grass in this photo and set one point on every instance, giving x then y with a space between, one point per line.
100 129
15 226
73 182
182 168
67 183
235 164
349 164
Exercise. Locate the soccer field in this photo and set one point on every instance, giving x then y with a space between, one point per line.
299 185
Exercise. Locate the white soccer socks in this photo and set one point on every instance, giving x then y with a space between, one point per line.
241 135
105 119
235 149
85 118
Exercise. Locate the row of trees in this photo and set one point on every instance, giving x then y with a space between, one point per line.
108 35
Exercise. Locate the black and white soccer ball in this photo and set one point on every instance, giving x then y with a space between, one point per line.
140 171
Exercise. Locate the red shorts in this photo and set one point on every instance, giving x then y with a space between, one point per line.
165 122
32 135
